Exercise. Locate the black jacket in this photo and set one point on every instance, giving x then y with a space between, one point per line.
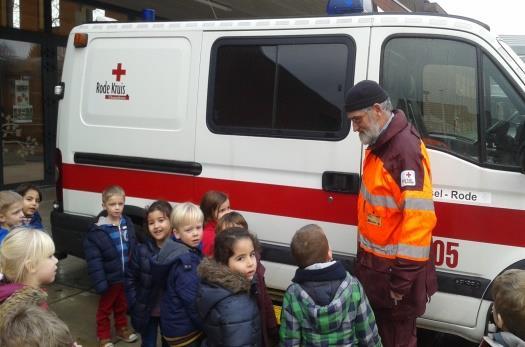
227 306
141 291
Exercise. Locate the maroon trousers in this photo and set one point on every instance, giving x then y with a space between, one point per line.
396 332
112 301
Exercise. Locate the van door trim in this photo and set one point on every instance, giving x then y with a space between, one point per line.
140 163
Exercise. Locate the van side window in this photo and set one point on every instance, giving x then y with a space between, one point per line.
504 117
280 87
434 81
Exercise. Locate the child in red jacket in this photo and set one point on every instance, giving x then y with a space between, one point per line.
214 205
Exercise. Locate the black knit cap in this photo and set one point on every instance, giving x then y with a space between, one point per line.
363 95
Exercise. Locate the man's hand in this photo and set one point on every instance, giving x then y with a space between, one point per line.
397 297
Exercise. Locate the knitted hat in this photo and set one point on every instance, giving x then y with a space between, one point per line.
364 94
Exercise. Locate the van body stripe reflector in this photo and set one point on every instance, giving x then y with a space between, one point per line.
401 249
378 200
457 221
419 204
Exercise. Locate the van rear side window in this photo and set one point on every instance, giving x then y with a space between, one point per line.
280 87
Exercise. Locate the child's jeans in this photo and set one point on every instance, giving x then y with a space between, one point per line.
113 300
149 337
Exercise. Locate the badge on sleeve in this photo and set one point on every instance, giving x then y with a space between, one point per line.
408 178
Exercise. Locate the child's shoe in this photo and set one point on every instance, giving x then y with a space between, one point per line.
127 335
105 343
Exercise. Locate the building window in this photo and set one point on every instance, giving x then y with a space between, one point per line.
68 14
22 14
282 87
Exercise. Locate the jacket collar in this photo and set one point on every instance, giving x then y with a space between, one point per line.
398 123
331 273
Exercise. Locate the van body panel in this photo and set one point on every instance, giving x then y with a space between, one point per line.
172 110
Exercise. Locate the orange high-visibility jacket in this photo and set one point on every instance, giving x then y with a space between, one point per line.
395 209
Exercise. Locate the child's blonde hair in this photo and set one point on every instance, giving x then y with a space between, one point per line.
185 213
24 249
7 199
112 191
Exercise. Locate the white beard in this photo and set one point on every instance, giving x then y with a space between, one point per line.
370 136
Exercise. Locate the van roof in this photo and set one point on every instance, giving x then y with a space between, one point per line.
354 20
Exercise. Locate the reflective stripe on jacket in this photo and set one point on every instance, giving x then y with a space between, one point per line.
395 206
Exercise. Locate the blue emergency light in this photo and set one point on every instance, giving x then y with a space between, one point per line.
339 7
148 15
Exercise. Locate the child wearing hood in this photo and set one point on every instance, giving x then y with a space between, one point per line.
107 247
227 300
176 266
324 305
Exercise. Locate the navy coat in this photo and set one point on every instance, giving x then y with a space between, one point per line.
228 307
142 293
176 267
106 265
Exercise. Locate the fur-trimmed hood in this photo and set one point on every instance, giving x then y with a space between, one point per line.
227 305
214 273
14 294
218 282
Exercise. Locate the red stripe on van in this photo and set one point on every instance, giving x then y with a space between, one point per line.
466 222
247 196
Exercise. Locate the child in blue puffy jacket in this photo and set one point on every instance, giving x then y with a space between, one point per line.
176 265
107 247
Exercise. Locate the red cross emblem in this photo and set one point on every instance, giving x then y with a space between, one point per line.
408 173
118 71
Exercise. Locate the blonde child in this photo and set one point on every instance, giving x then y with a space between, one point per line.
214 205
32 196
176 266
107 247
142 292
26 263
264 301
11 213
227 296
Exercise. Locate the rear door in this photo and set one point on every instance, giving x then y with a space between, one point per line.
128 117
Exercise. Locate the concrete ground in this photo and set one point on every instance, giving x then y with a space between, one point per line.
72 299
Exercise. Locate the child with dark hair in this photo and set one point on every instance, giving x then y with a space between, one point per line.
32 196
324 305
268 322
142 292
227 296
214 205
508 293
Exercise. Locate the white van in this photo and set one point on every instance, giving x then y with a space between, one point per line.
255 108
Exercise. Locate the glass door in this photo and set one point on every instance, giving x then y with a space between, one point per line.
21 116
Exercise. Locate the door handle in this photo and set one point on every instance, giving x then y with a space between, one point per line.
341 182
